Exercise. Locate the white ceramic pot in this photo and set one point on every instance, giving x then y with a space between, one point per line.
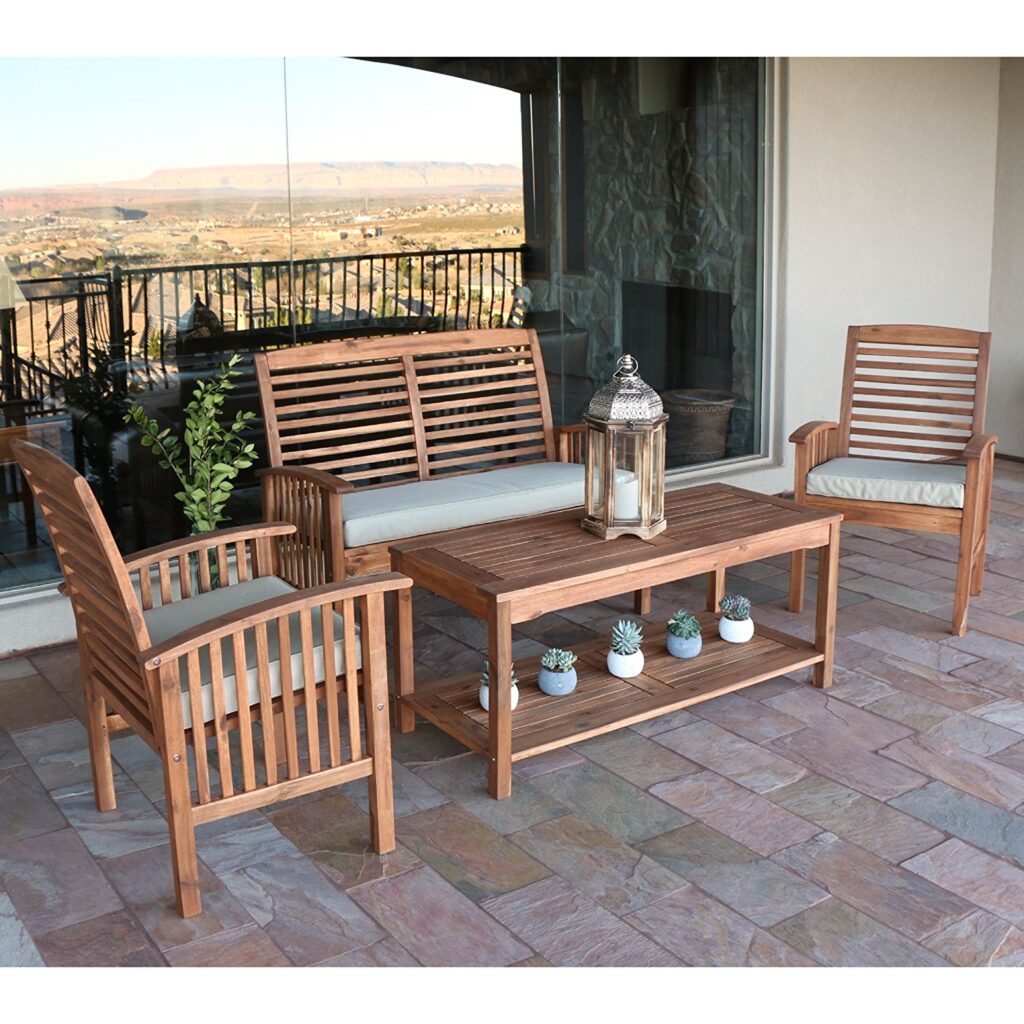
625 666
485 697
736 631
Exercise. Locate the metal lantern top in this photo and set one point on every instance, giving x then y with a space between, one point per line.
626 397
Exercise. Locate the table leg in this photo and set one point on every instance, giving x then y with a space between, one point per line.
716 589
499 654
642 601
402 639
825 623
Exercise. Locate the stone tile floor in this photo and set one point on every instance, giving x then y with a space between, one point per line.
880 823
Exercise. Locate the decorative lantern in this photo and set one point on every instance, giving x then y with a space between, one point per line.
625 483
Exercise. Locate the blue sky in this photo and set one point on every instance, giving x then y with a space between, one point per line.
90 120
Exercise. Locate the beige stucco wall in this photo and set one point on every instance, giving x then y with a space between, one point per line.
1006 398
885 215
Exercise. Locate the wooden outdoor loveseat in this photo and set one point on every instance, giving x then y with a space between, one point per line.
375 440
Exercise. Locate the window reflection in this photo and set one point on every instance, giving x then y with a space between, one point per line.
611 204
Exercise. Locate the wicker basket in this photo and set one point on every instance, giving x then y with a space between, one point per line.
698 424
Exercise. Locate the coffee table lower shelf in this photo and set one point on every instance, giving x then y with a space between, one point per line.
602 702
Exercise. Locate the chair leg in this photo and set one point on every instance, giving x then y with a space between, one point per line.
963 585
978 569
99 748
378 726
797 571
184 863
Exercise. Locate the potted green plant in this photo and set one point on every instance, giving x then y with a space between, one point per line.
735 625
209 455
485 687
683 639
557 675
625 659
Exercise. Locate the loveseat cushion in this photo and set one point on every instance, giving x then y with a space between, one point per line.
168 620
936 484
450 503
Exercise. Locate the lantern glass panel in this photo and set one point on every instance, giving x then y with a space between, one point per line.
658 474
627 477
595 454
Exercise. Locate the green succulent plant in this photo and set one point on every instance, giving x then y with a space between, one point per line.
736 607
485 676
684 625
556 660
627 637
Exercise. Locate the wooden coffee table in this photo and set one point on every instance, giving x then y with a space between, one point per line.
518 570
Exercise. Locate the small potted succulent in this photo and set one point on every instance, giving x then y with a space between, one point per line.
625 659
683 639
557 676
735 625
485 688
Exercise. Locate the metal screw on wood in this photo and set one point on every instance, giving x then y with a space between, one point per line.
380 707
176 758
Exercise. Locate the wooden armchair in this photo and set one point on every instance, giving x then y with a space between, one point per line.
192 641
909 450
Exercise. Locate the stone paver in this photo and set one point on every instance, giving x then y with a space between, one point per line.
743 815
703 932
889 893
757 887
570 929
436 923
616 875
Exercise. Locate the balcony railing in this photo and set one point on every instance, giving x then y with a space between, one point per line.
138 318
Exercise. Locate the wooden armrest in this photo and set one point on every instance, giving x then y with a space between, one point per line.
319 477
809 430
209 632
976 446
202 541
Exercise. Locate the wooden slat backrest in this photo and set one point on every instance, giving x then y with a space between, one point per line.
380 411
912 391
106 608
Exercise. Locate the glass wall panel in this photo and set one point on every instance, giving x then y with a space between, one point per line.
144 236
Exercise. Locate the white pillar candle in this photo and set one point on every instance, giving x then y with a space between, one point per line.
627 496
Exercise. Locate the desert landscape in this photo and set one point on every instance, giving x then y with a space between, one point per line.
226 214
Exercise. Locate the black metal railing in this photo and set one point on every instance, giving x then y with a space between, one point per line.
139 318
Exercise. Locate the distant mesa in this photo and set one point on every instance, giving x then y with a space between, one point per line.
337 179
341 178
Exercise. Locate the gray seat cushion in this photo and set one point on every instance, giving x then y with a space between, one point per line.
168 620
450 503
936 484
